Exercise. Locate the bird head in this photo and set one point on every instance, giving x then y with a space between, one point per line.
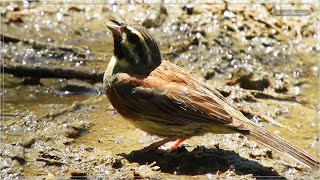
135 49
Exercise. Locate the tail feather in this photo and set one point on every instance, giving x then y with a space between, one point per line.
283 146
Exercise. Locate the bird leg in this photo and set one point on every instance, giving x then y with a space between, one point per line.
176 144
156 145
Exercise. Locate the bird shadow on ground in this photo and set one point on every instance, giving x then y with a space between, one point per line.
201 160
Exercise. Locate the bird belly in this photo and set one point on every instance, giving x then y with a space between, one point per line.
166 130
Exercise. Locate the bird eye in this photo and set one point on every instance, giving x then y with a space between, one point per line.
133 38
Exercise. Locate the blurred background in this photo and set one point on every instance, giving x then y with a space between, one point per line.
56 120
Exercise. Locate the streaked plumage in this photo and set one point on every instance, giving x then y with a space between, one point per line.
162 99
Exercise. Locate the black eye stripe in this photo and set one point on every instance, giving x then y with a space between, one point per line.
133 38
142 52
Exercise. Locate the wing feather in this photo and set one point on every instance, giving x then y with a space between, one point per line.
173 104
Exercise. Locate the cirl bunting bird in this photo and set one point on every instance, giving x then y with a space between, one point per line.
162 99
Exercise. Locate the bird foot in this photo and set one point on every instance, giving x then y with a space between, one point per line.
156 145
176 144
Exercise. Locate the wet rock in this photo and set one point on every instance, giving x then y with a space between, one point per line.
100 140
251 80
14 152
281 83
225 92
145 171
209 75
198 38
75 129
27 141
52 157
199 30
31 81
117 164
15 18
156 20
248 97
9 168
78 175
66 140
188 9
257 154
76 90
281 89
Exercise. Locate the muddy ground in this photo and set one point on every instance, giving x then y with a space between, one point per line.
59 123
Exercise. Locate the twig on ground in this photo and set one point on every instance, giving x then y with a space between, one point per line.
51 71
279 97
37 45
50 161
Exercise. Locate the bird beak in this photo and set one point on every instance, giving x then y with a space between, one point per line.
115 27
